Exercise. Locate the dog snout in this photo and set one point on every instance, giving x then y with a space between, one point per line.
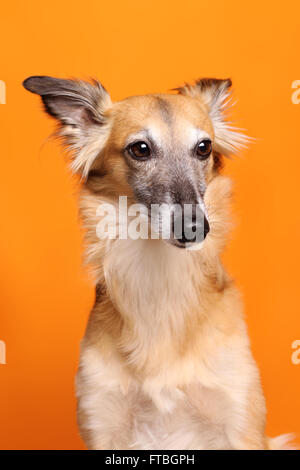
190 225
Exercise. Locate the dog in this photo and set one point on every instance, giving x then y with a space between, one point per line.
165 362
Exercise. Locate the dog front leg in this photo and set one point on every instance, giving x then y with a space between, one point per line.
104 421
104 407
245 427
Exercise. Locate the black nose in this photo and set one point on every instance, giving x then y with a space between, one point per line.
191 229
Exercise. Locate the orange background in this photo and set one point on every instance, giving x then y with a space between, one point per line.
137 47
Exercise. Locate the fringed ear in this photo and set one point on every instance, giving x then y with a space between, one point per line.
216 95
80 109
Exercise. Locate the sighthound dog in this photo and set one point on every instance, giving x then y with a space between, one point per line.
165 361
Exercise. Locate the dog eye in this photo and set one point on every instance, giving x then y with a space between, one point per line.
139 150
203 149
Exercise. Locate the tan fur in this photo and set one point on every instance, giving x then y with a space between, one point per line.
165 362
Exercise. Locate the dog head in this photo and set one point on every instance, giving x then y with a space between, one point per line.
162 150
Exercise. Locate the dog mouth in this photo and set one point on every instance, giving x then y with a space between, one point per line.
191 246
185 244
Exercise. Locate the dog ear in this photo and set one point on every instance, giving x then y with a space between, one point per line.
80 108
216 96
